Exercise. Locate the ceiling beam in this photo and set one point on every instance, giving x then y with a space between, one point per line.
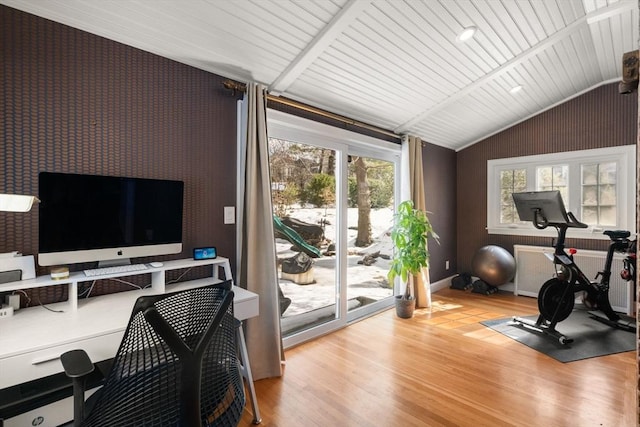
319 44
610 11
595 16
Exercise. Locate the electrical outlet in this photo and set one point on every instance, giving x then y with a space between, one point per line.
6 311
446 265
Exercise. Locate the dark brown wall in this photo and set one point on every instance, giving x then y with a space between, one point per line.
599 118
75 102
440 191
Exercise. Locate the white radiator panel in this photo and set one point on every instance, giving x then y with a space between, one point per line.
533 268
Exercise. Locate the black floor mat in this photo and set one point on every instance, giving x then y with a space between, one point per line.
591 337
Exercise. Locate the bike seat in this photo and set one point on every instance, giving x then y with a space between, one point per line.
617 234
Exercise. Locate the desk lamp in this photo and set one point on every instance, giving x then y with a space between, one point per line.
14 203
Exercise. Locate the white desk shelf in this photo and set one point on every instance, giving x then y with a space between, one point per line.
158 279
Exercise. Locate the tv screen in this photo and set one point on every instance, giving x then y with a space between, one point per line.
85 218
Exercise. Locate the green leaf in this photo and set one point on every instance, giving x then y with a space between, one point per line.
409 236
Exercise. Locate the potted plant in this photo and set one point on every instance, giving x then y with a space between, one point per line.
409 236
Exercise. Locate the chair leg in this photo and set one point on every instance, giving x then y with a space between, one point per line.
78 400
245 368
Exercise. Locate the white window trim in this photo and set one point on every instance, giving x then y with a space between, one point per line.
345 142
625 156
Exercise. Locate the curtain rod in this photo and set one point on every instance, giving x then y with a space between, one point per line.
241 87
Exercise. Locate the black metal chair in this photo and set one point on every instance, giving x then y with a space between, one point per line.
177 365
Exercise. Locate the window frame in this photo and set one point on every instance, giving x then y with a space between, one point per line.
298 129
625 158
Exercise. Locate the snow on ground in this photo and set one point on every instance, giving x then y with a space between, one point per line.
362 280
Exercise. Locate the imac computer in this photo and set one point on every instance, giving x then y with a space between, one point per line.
87 218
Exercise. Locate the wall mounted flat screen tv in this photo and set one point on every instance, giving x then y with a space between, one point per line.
86 218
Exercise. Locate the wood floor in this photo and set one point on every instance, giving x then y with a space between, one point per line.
443 368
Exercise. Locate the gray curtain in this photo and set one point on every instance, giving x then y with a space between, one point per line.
257 264
413 188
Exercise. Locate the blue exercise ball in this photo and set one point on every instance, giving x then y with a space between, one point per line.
494 265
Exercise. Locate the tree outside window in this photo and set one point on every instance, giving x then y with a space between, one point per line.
511 181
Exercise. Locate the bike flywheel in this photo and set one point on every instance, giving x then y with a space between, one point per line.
555 301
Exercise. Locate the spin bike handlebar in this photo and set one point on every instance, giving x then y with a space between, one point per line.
573 222
540 221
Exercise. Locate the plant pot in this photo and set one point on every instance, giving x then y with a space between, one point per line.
405 307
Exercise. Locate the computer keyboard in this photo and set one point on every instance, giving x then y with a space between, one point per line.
114 269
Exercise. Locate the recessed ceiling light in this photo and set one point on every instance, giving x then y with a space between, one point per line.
515 89
466 34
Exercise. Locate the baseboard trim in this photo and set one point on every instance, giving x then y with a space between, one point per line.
442 284
446 283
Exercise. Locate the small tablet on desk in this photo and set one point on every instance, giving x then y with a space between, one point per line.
205 253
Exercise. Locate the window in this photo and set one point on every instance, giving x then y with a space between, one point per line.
553 178
598 186
599 201
511 181
343 185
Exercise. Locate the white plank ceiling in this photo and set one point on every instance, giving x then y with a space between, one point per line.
390 63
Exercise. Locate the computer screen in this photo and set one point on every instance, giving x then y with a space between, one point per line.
86 218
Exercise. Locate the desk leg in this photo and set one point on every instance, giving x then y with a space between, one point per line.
245 368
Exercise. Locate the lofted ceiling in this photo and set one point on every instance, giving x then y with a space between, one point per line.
395 64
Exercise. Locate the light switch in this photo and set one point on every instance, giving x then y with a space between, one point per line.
229 215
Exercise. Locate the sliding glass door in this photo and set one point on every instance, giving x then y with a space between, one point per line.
304 200
333 195
369 218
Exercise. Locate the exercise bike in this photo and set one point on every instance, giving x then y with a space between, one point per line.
557 295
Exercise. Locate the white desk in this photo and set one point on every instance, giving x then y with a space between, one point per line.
32 340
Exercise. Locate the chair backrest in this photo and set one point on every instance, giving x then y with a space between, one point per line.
177 364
